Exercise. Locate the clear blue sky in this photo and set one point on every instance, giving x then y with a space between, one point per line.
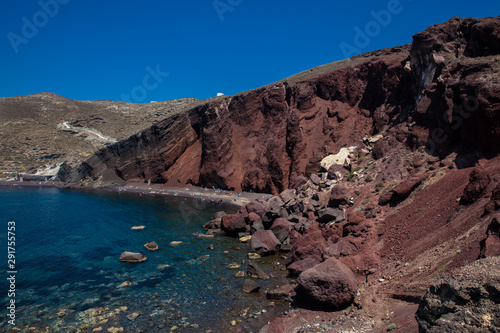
107 49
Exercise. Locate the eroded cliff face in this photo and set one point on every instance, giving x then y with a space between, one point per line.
443 93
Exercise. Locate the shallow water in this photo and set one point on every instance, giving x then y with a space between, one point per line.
67 249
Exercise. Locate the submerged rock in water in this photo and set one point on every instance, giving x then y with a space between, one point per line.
175 243
250 286
132 257
138 227
151 246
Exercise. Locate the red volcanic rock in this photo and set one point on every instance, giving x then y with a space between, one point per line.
311 244
355 217
402 190
490 246
380 149
264 242
330 284
336 172
339 195
298 182
250 286
282 292
233 224
344 247
281 229
256 207
296 268
476 188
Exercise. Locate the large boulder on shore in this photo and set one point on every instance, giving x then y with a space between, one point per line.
467 300
296 268
330 284
233 224
264 242
132 257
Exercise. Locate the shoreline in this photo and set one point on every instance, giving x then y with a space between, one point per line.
232 198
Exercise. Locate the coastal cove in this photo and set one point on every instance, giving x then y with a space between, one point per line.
69 278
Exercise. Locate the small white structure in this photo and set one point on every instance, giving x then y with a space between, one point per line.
220 94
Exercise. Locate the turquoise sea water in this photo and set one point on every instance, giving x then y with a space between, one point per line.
68 273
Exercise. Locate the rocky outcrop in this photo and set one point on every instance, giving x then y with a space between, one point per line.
132 257
466 301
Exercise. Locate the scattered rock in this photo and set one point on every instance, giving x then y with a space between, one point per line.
256 272
175 243
299 182
315 179
253 256
464 301
339 195
282 292
311 244
250 286
264 242
233 266
139 227
328 214
330 284
287 196
296 268
132 257
125 284
133 315
337 172
245 239
151 246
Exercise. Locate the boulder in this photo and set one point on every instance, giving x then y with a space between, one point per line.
328 214
339 195
296 268
490 246
467 300
380 149
281 292
213 224
250 286
254 271
476 188
299 182
341 158
311 244
281 228
336 172
402 190
132 257
343 247
315 179
256 207
288 195
233 224
151 246
330 284
264 242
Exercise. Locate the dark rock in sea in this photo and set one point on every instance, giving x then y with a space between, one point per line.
213 224
467 300
132 257
151 246
296 268
330 284
256 272
281 292
250 286
264 242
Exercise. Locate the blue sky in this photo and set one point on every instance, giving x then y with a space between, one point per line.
161 50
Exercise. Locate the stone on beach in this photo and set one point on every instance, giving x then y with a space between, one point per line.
151 246
132 257
264 242
330 284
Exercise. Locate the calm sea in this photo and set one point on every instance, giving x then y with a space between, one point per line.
67 245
